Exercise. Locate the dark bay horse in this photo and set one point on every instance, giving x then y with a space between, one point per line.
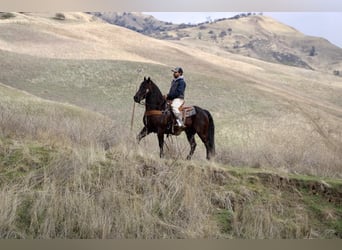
158 118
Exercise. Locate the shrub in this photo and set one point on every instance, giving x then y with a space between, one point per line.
59 16
313 51
6 15
337 73
223 34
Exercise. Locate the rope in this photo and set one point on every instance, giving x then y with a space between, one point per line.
136 89
133 111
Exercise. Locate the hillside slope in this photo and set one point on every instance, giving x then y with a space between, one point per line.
267 111
57 181
264 38
251 35
137 21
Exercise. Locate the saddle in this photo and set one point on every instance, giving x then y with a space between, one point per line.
187 111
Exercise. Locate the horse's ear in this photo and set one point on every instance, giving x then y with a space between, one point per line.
149 79
144 78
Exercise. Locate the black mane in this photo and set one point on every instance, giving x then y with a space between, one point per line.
155 99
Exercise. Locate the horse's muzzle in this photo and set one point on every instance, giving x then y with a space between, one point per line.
136 99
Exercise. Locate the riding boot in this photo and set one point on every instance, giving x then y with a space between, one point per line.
180 123
180 120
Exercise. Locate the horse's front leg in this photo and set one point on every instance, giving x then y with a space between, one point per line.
191 138
161 144
142 134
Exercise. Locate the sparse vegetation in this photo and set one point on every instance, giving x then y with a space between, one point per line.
6 15
313 51
290 59
236 45
59 16
199 35
214 37
242 15
222 34
337 73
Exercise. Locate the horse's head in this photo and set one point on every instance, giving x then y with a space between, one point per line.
144 89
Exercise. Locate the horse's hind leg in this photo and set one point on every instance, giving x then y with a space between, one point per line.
190 134
142 134
205 141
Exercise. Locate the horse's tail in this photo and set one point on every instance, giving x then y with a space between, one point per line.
211 134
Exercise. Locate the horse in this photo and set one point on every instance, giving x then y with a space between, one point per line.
158 118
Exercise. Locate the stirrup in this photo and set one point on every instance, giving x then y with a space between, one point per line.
180 124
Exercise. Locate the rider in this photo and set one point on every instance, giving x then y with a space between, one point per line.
176 94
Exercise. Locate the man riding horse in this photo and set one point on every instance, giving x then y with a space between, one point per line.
198 120
176 94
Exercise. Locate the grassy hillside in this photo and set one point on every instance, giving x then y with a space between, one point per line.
58 185
251 35
86 192
256 123
263 38
137 21
265 114
70 166
24 116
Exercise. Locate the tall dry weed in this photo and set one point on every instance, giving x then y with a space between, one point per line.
296 146
91 193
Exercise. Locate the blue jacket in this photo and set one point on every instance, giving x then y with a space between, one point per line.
177 89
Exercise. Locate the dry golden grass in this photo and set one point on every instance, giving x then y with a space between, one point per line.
54 187
26 116
90 193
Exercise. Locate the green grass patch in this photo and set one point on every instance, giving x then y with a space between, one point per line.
333 182
325 217
17 159
224 220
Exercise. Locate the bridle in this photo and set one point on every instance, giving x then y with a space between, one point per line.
144 96
143 103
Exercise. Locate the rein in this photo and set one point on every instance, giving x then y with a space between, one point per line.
153 112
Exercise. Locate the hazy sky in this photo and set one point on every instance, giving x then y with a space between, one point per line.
321 24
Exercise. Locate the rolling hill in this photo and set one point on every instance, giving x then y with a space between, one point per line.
70 166
102 72
251 35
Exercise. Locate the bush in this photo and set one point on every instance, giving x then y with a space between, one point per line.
59 16
223 34
6 15
313 51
